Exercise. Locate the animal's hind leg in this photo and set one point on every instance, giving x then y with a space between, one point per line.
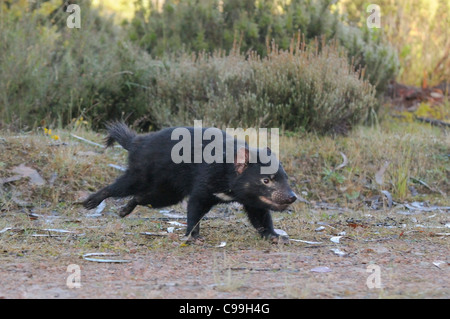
128 208
123 186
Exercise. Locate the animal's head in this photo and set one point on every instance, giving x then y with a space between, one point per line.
262 182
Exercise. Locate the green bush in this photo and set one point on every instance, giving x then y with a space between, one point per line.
366 49
52 74
196 25
300 89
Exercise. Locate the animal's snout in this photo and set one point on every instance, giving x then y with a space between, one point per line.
292 197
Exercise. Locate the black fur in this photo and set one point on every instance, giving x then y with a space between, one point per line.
119 132
153 178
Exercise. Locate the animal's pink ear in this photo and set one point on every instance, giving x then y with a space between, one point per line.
241 160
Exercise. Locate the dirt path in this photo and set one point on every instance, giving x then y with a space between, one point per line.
410 266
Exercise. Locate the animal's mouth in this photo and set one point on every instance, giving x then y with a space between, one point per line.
272 204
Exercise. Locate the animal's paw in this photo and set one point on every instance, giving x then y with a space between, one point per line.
196 240
91 202
284 240
278 237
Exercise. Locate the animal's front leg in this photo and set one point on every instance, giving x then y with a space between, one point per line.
262 221
197 208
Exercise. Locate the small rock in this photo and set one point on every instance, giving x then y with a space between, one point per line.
321 269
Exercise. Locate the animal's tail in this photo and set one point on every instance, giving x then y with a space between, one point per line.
119 132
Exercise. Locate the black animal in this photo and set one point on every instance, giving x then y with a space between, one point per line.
154 178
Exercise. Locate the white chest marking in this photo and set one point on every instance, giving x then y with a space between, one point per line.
224 197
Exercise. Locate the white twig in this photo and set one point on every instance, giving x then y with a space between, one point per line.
120 168
87 141
344 163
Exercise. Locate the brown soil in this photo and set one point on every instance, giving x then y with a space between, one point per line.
413 262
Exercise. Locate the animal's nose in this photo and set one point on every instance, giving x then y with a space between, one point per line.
292 197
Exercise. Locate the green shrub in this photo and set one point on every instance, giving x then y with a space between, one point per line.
196 25
296 90
365 48
50 73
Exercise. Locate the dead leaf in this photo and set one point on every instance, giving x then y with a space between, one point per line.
10 179
320 228
281 232
339 252
26 171
19 202
100 207
440 263
336 239
170 229
389 198
436 95
380 173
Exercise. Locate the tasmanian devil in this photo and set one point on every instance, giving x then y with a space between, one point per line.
156 176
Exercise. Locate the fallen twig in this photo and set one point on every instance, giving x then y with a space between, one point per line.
432 121
344 163
87 141
93 143
306 241
100 260
5 230
120 168
437 190
419 206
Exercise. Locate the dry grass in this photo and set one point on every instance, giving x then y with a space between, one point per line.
414 152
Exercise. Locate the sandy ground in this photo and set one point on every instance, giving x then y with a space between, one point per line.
401 264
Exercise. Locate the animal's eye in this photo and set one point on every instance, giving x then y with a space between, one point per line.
266 180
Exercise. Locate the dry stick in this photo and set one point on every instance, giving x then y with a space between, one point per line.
432 121
90 142
344 163
87 141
